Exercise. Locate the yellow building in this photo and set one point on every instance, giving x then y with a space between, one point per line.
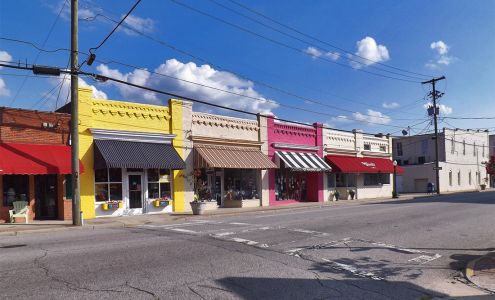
133 155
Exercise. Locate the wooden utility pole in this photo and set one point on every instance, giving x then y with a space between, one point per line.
74 85
435 114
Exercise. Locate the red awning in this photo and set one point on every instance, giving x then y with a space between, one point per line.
351 164
35 159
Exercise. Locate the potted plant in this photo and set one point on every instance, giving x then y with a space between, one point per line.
161 202
197 206
336 194
352 193
202 192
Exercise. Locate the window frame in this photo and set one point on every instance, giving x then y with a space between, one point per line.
169 180
108 183
399 149
17 193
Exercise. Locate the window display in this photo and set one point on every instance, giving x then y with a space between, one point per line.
159 184
15 188
108 184
240 184
290 185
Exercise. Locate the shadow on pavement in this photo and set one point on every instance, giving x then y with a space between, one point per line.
466 197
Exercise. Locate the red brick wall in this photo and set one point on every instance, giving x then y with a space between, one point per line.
26 126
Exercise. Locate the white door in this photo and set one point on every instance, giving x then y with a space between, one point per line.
135 193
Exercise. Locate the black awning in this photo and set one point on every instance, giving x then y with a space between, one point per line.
126 154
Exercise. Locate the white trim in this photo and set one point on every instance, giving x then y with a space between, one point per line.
294 146
132 136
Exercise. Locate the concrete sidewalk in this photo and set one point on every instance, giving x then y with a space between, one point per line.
481 272
130 221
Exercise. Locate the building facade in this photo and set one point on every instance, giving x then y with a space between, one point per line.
230 160
35 163
134 157
491 144
361 164
461 157
297 152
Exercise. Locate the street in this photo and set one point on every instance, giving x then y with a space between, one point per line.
405 249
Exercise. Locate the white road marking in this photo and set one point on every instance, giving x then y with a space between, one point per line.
239 223
309 231
423 259
184 230
353 270
224 233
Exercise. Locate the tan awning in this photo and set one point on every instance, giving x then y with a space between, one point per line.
230 157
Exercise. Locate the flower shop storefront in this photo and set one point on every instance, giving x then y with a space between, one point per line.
360 177
133 172
229 176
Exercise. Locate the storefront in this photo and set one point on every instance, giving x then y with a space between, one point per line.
38 175
360 177
229 176
133 172
296 150
134 155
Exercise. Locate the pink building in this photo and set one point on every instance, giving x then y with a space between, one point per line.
297 150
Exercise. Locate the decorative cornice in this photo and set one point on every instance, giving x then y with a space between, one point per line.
294 146
130 110
329 150
374 153
220 141
222 121
132 136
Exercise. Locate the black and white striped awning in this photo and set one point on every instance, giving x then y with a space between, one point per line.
307 162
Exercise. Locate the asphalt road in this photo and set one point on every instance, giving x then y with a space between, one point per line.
408 249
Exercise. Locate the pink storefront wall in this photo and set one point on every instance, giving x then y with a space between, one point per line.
311 135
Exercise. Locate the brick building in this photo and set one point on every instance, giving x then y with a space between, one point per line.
35 163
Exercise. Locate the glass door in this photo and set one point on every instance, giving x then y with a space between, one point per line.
46 197
135 191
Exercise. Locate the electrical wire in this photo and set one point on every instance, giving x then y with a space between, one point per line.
320 40
283 44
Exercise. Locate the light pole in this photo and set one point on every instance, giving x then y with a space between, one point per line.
394 191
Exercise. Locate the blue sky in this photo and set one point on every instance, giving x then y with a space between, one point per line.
451 38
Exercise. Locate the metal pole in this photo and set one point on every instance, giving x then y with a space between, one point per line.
394 193
76 200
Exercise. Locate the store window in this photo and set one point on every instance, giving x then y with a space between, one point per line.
15 188
421 160
376 179
68 187
331 180
290 185
240 184
108 185
345 180
159 184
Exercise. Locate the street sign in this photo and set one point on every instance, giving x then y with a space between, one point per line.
435 168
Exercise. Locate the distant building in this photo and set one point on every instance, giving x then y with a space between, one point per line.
492 154
461 157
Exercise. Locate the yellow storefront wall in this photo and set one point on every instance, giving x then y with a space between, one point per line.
127 116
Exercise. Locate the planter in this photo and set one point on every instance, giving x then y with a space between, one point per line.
198 207
112 206
161 203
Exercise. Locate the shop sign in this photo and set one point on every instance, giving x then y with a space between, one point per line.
368 164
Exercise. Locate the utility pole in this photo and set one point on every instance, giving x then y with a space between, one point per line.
74 85
435 114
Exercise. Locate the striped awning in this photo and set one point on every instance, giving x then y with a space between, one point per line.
127 154
230 157
307 162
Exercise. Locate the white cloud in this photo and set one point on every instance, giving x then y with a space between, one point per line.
98 94
444 109
315 53
372 116
341 119
440 47
391 105
442 58
4 91
201 74
5 56
368 53
145 25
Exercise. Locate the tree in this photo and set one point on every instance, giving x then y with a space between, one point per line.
490 166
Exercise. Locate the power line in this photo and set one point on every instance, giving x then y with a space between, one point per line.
197 58
321 41
309 43
91 50
283 44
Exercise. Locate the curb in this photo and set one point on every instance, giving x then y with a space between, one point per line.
469 273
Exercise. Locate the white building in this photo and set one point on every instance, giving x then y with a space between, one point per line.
461 157
360 162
